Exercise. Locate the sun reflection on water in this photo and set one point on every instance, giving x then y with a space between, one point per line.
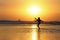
34 33
34 26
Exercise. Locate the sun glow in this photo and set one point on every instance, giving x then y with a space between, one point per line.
34 10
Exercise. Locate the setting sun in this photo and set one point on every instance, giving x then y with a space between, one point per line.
34 10
27 10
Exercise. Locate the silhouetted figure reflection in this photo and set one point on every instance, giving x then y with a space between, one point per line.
38 22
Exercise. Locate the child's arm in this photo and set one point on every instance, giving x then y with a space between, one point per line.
35 19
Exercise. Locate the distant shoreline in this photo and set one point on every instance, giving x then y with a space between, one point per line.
27 22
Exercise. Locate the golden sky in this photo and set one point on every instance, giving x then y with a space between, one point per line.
48 10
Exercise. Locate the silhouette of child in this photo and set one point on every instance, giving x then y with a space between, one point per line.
38 21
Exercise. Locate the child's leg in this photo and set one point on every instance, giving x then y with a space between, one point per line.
38 25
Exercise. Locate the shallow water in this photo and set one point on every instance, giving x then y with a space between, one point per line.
29 32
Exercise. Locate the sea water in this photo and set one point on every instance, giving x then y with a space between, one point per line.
29 32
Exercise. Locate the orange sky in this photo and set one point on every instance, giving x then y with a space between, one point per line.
18 9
